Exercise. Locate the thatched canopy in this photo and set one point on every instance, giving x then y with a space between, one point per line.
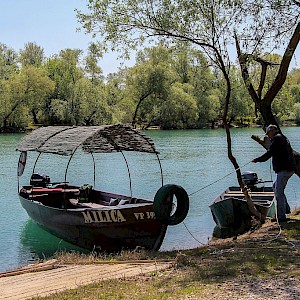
64 140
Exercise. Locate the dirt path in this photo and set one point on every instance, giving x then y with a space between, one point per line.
45 279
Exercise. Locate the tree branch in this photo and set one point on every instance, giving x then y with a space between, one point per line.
284 66
243 58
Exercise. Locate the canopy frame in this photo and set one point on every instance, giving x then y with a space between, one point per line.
117 138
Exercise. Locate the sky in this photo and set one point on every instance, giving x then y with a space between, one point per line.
52 25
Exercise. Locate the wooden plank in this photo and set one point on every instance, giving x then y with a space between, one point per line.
43 283
251 193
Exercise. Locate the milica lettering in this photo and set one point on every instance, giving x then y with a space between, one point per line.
100 216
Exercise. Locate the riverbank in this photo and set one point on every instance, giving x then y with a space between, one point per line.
263 264
216 126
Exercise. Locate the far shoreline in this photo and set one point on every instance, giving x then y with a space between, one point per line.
12 130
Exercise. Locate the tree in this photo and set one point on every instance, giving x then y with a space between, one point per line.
275 22
192 67
147 84
91 103
65 71
91 64
126 24
120 104
240 104
179 111
294 84
8 69
263 102
28 89
32 54
209 109
8 62
296 110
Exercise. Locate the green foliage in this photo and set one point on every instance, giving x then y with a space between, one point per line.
8 62
179 111
254 27
89 99
169 87
147 85
32 54
92 68
126 25
209 108
296 109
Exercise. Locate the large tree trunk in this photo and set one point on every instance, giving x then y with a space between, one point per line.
266 144
263 103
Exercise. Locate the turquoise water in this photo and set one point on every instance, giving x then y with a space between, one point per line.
195 159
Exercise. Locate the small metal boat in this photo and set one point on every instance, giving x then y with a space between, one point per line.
230 210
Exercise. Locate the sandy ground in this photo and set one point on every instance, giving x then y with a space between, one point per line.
48 278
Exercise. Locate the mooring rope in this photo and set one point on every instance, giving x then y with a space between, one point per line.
192 234
219 179
268 241
212 183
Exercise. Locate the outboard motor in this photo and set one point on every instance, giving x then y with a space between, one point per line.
250 179
40 180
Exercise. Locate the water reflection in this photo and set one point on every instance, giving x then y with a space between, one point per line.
37 244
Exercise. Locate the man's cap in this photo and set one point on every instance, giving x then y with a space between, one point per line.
271 127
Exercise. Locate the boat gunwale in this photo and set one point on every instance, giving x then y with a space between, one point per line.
221 197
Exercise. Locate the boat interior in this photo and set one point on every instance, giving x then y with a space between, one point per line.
71 197
260 196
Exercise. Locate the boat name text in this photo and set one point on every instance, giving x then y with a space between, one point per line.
103 216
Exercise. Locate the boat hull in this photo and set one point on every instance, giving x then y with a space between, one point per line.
106 229
231 213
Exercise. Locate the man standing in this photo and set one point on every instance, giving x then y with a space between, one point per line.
283 165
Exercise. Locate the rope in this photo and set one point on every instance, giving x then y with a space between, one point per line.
267 241
280 230
192 235
276 217
205 188
219 179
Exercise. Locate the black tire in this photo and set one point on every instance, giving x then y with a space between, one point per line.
163 202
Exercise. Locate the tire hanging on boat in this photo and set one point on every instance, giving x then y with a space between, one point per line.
163 203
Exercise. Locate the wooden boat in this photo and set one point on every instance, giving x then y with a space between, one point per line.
231 213
88 217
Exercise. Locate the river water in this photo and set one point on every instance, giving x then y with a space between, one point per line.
194 159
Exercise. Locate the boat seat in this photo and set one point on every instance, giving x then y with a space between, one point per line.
256 199
75 202
118 201
250 194
92 205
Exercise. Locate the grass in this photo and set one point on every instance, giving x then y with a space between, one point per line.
225 269
138 254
